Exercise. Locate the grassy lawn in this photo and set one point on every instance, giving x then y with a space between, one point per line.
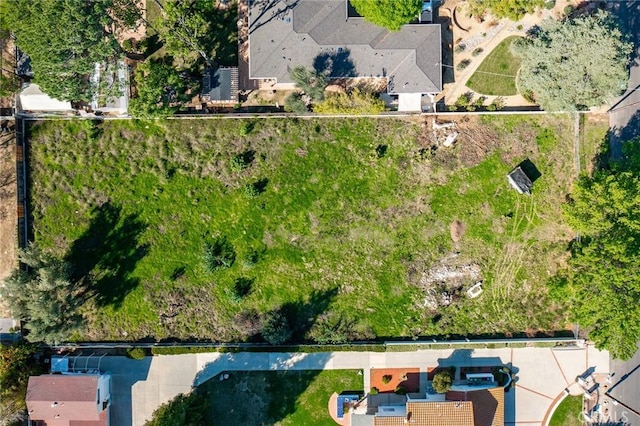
278 397
327 226
499 61
568 412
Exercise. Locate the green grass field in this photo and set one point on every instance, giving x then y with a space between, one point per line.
278 397
568 412
334 222
496 75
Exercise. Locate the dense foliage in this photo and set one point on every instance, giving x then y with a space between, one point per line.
183 410
185 29
390 14
310 81
603 281
512 9
574 64
16 365
353 103
45 297
442 381
66 38
160 90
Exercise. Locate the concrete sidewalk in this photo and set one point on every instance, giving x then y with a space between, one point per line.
542 373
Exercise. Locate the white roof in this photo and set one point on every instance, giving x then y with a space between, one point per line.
410 102
33 99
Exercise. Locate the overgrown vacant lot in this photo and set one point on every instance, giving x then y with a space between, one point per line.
350 228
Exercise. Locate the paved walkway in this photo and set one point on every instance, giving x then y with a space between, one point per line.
139 387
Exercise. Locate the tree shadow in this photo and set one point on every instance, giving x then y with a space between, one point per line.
301 315
106 254
222 38
627 15
620 145
265 11
336 64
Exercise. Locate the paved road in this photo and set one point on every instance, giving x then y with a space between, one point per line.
624 117
626 389
139 387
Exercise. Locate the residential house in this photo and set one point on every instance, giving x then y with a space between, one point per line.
69 399
478 407
329 36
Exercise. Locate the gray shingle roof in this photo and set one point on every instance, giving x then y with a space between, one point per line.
287 33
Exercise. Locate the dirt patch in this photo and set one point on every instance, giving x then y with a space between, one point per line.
8 210
388 379
457 230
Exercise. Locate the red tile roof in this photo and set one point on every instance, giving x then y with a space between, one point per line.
65 400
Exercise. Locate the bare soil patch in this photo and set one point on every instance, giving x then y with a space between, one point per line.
8 207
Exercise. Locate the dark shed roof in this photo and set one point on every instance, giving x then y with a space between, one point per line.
220 84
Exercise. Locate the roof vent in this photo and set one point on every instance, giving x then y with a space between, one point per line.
54 404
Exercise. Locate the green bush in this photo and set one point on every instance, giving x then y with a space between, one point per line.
136 353
374 391
496 105
294 103
442 381
352 103
219 254
242 287
275 328
251 259
400 390
386 378
477 51
550 4
568 10
463 64
464 100
529 96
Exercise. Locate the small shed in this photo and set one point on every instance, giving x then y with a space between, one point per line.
220 85
519 180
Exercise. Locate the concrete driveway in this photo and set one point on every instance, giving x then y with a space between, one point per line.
139 387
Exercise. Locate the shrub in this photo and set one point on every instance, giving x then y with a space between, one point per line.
294 103
477 51
550 4
400 390
464 100
386 378
460 48
241 161
242 287
442 381
256 188
568 10
479 103
310 81
219 254
463 64
355 102
374 391
529 96
136 353
496 105
275 328
245 129
250 259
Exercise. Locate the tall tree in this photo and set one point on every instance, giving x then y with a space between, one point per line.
574 64
44 297
390 14
160 89
512 9
184 28
65 38
310 81
602 284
